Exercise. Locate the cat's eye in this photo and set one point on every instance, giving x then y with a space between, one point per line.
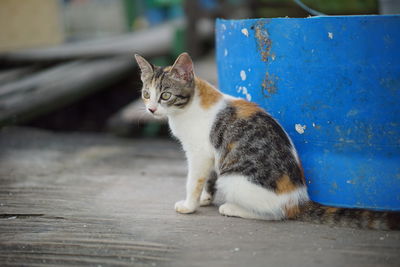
165 96
146 95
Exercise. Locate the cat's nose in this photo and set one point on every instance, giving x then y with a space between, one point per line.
152 110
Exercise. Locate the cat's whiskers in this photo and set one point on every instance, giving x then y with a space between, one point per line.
142 113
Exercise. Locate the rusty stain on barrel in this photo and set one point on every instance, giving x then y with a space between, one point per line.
268 85
264 43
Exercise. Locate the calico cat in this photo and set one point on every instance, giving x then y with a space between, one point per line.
235 147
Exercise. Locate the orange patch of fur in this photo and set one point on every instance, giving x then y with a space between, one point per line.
231 146
284 185
199 187
291 212
245 109
209 96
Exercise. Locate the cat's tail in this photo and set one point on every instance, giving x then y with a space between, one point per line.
356 218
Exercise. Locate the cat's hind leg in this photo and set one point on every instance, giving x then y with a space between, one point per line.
249 200
233 210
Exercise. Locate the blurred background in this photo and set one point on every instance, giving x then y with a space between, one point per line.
68 65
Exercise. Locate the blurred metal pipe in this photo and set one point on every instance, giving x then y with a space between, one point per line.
308 9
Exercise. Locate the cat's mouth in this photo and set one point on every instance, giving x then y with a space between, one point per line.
158 116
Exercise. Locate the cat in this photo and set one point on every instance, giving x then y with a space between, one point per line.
236 148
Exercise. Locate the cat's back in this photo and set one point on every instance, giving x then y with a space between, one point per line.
241 120
251 142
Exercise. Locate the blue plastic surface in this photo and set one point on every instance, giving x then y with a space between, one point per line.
334 84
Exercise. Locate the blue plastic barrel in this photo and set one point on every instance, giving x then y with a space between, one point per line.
334 84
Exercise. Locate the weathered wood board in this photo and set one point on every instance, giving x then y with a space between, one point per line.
96 200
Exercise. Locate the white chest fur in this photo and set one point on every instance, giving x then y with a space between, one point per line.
192 126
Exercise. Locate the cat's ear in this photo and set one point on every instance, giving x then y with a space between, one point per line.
146 68
182 69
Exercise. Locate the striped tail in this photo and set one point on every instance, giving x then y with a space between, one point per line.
355 218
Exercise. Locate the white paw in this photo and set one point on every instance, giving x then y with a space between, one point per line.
226 209
232 210
183 207
205 201
205 198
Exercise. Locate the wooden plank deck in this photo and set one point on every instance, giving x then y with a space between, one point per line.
96 200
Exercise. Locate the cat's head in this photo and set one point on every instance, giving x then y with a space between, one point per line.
167 90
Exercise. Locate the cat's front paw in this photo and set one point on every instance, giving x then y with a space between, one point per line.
205 202
205 199
183 207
